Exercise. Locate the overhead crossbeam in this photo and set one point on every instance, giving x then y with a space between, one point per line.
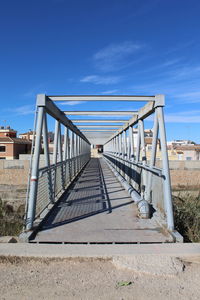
101 98
101 113
98 121
98 130
98 126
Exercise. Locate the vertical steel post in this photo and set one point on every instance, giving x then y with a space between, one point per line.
34 172
72 154
153 155
131 143
132 157
137 157
65 153
55 155
60 156
46 153
144 159
167 182
75 162
125 156
120 153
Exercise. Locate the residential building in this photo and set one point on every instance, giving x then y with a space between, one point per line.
11 146
184 152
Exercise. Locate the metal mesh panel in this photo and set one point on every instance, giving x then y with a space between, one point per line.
60 178
58 183
43 194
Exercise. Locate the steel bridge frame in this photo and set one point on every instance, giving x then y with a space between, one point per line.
118 151
66 164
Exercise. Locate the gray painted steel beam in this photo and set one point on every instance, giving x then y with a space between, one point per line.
99 130
101 98
143 113
55 112
98 121
101 113
99 126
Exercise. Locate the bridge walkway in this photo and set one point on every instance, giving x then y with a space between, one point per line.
97 209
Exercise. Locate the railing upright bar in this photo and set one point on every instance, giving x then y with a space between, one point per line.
153 155
55 156
35 171
143 156
166 182
125 154
46 154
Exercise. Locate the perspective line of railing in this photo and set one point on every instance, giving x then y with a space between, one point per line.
130 161
70 155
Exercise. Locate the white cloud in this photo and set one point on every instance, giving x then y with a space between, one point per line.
183 117
116 56
96 79
24 110
72 103
190 97
109 92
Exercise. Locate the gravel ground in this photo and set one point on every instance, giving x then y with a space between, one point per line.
75 279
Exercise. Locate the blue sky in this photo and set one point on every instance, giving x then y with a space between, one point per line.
101 47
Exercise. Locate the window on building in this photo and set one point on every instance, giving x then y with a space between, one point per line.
188 158
2 148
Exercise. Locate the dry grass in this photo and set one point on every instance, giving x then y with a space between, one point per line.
11 222
187 216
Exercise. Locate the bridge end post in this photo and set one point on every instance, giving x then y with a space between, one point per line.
160 99
35 165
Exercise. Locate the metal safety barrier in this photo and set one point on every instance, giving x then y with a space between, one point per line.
130 161
46 184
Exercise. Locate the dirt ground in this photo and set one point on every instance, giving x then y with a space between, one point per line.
33 279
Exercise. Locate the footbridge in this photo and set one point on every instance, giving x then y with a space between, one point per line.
119 196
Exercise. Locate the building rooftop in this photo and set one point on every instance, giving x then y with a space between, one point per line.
14 140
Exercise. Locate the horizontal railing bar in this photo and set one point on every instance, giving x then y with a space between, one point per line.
154 170
101 98
59 163
96 113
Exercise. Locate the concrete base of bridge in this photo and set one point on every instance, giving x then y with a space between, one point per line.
155 259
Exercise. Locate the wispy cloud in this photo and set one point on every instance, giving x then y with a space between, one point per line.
23 110
185 72
96 79
32 93
183 117
72 103
109 92
116 56
191 97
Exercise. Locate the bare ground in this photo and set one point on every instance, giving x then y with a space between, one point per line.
98 279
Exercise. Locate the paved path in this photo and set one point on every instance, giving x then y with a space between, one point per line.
97 209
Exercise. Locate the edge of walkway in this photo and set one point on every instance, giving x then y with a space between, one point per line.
152 259
98 251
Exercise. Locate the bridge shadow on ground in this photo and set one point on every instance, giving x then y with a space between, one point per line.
90 195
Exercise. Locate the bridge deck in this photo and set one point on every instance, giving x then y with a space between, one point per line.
97 209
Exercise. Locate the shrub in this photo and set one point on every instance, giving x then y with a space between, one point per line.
187 217
11 222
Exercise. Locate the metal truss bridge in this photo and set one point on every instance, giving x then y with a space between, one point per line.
119 197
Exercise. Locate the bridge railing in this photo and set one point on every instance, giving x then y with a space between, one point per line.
71 151
126 152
